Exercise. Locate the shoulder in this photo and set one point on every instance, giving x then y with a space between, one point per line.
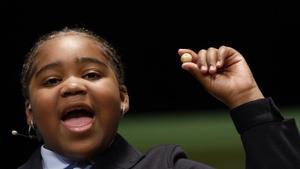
168 151
161 156
168 156
34 161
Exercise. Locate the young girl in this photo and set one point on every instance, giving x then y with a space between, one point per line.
75 96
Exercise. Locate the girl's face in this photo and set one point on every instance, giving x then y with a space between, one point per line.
74 97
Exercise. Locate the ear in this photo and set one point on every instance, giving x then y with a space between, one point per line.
28 110
124 99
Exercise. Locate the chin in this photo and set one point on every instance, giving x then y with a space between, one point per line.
85 150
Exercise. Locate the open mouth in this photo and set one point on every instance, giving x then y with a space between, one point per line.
78 118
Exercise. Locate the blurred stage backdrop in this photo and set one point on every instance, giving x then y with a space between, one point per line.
166 104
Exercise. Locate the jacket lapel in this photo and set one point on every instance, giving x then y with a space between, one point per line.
120 155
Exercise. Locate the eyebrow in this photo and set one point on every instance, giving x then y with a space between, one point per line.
86 60
48 66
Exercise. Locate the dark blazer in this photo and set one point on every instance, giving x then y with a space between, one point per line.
270 142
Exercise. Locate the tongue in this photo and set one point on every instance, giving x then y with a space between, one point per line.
78 121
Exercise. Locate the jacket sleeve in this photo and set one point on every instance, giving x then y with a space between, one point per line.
270 141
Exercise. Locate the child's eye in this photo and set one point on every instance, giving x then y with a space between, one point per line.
92 76
51 82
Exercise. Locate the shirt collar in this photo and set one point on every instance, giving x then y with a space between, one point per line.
119 155
52 159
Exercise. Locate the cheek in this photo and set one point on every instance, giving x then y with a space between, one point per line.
106 99
43 104
43 99
106 94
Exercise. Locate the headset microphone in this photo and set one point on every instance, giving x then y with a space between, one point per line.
15 133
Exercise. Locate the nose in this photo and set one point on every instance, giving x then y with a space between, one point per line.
73 86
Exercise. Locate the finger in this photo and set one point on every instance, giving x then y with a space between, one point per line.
211 58
225 52
221 57
201 62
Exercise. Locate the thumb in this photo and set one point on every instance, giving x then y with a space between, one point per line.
189 66
194 70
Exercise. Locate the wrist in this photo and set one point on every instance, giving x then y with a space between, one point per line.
245 97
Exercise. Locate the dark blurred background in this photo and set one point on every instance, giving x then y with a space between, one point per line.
147 36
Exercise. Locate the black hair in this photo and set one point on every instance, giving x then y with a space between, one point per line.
107 49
